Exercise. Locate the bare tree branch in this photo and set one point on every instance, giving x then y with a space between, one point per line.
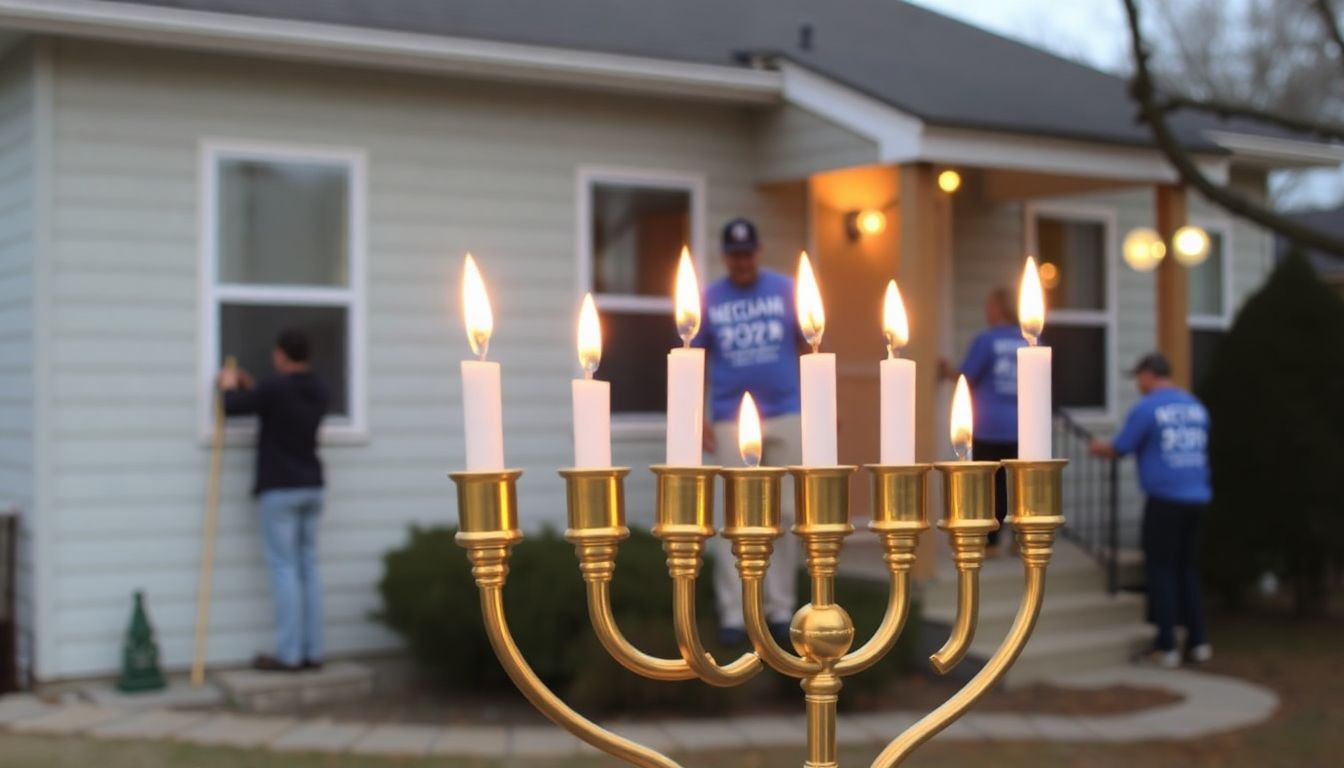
1329 131
1153 113
1327 12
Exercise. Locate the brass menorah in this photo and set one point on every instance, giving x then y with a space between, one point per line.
821 632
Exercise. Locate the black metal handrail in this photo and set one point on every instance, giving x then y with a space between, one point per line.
1091 497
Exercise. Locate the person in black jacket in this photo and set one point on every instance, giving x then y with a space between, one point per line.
288 487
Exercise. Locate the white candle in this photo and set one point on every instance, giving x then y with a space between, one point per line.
591 398
897 385
1033 372
686 374
817 374
482 402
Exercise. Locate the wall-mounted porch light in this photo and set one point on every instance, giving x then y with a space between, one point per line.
949 181
864 223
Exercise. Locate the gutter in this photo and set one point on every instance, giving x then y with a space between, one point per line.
312 41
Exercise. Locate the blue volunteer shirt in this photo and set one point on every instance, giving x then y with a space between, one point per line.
752 338
1169 431
991 371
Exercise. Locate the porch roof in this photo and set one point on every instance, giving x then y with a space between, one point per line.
943 71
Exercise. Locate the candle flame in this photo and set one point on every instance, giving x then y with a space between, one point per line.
895 324
749 432
1031 304
480 320
590 337
687 298
962 419
811 314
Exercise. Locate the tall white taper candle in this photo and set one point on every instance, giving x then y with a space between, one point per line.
482 401
816 373
1033 372
686 374
591 398
897 384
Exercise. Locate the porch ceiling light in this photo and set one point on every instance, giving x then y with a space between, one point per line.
949 181
1190 245
1143 249
865 222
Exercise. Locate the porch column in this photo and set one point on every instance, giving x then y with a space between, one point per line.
1173 297
925 260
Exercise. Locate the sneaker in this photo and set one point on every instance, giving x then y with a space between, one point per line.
1201 654
266 663
1160 659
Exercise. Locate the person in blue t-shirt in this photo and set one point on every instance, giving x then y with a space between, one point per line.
1168 432
750 332
990 368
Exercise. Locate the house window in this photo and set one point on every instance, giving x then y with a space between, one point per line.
282 244
1210 301
632 226
1074 246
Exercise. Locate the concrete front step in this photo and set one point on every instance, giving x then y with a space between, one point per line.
262 692
1051 655
1066 612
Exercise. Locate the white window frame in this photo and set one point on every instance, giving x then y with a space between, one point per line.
1107 318
351 428
586 177
1221 322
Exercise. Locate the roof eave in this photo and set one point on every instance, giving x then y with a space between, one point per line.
281 38
1275 153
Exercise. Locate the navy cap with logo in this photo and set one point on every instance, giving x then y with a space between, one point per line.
739 236
1154 363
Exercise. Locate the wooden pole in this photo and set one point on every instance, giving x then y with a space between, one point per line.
1173 298
203 587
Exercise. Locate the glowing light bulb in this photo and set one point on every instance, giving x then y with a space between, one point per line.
1143 249
949 181
1191 245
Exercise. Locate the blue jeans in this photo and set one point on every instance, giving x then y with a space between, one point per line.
289 519
1170 547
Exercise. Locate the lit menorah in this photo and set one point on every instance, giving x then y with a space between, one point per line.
821 633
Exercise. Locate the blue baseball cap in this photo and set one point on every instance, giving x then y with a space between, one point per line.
739 236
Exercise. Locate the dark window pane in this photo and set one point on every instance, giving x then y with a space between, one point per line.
283 223
1079 371
634 360
1206 281
1203 349
1073 262
248 332
638 233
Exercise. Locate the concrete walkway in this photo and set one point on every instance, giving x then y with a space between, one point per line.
1211 704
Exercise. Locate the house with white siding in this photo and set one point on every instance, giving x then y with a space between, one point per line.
180 178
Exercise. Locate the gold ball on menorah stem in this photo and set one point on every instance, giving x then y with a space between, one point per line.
823 633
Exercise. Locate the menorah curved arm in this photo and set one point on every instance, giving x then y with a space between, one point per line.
993 671
963 627
747 666
621 649
550 705
769 649
888 632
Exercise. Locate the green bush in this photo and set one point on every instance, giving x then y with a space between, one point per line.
1276 442
429 598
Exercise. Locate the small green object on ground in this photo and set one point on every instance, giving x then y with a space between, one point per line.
140 654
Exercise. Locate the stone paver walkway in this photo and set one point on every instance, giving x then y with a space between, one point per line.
1210 704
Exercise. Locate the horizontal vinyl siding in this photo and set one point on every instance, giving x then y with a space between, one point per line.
988 253
17 490
452 166
796 142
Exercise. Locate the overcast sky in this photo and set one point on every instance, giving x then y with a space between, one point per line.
1094 31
